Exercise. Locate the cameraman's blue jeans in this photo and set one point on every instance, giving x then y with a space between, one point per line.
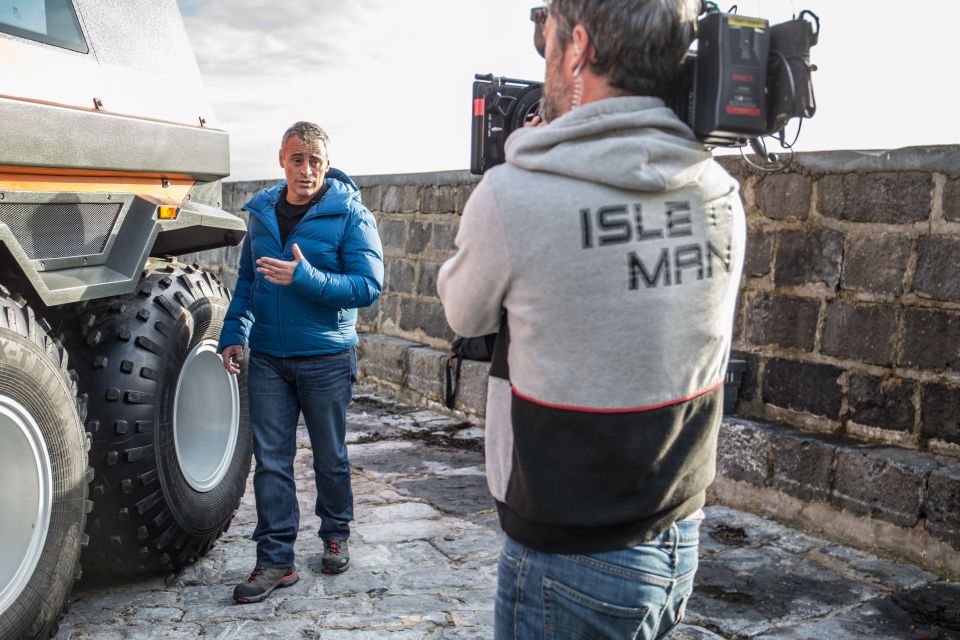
640 592
279 389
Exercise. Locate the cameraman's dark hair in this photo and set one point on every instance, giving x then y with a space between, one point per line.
640 45
308 132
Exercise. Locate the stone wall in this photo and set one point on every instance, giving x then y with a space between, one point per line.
848 318
849 310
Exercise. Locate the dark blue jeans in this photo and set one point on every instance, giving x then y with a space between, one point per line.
279 389
640 592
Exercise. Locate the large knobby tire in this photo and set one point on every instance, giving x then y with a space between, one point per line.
171 438
44 476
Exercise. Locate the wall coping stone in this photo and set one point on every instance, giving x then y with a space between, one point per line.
940 159
937 158
432 178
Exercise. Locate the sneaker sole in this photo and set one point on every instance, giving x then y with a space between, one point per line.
330 570
288 581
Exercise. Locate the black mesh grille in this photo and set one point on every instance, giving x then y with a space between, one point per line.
60 230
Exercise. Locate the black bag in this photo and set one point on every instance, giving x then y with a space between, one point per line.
479 348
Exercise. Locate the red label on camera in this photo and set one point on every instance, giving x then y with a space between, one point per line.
479 106
743 111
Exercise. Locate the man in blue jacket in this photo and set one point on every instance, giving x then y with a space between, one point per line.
311 257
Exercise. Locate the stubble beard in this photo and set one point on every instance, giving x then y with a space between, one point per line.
556 93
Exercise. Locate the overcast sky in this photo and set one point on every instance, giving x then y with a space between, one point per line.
390 81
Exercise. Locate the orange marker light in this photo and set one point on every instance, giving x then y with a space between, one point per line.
167 213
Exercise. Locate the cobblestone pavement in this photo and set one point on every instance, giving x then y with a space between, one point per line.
424 550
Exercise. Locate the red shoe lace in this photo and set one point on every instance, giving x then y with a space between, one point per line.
335 547
257 570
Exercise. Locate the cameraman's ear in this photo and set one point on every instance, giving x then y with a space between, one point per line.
581 48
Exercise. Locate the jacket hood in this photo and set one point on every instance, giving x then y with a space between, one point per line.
342 190
635 143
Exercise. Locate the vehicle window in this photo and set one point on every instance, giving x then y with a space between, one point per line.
48 21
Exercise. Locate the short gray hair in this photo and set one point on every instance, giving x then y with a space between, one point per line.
640 45
308 132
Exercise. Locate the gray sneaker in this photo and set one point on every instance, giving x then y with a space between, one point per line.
336 556
262 581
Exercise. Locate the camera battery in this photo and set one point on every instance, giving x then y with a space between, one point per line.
730 79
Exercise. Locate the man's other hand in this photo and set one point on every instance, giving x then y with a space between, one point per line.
279 271
232 358
535 121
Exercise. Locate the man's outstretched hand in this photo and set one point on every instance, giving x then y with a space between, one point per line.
280 271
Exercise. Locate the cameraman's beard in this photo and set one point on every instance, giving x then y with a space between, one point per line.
557 98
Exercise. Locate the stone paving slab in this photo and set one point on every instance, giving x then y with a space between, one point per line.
424 549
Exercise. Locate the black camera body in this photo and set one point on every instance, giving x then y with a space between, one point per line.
746 80
500 105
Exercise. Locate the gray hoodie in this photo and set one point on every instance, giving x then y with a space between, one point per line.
614 244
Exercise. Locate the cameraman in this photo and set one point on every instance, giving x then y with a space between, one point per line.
611 244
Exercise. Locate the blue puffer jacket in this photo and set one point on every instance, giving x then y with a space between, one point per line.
342 269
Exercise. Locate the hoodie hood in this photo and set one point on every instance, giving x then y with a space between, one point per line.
635 143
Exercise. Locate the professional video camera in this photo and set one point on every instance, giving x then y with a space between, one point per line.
744 81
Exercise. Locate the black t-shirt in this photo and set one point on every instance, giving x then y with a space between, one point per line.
289 215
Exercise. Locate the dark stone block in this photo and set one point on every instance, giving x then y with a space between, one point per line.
418 237
802 465
393 236
409 321
367 317
784 321
931 340
409 200
425 372
442 241
742 451
371 197
927 612
748 382
943 505
389 310
424 316
887 484
938 268
748 592
867 333
383 357
433 321
809 257
903 197
390 202
472 390
887 404
401 275
876 264
463 194
785 196
951 200
438 199
940 412
802 386
460 495
934 605
759 253
738 312
427 283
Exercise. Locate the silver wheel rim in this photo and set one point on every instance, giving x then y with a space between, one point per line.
206 418
26 496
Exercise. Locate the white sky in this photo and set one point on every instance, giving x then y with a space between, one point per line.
390 81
